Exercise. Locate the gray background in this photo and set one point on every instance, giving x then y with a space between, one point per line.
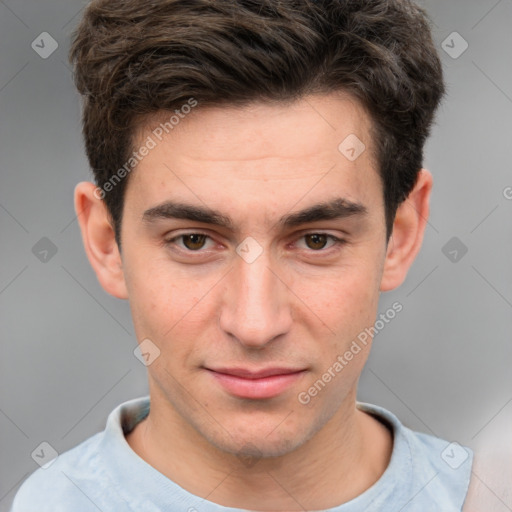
442 365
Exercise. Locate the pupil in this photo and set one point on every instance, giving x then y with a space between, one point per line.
315 238
196 240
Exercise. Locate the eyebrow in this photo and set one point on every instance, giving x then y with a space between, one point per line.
337 208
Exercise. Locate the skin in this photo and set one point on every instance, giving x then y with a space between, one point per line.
300 304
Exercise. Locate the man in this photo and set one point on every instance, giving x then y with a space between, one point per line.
259 183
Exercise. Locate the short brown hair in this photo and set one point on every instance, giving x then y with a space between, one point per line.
134 58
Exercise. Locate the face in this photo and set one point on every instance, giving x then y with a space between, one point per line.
251 307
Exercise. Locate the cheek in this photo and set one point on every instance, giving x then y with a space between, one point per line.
160 300
344 298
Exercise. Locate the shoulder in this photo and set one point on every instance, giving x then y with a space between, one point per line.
62 485
431 470
90 476
441 469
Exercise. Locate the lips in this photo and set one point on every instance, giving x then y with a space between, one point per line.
256 383
256 374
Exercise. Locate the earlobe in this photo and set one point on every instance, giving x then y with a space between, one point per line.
408 230
99 240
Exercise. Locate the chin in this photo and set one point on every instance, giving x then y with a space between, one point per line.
258 441
253 447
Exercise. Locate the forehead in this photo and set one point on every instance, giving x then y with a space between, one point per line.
309 127
261 152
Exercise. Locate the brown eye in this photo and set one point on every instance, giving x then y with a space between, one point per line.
318 241
190 242
194 241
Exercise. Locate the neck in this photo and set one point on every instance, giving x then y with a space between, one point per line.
341 461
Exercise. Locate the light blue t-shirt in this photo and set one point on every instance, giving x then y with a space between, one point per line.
425 474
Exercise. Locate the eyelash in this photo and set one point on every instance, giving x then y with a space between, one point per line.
338 242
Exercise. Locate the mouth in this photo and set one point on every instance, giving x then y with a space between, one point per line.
256 384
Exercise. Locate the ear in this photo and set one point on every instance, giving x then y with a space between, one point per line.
407 236
99 239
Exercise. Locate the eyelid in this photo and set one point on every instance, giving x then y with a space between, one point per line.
171 241
337 240
298 236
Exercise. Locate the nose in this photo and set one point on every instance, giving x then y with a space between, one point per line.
255 309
